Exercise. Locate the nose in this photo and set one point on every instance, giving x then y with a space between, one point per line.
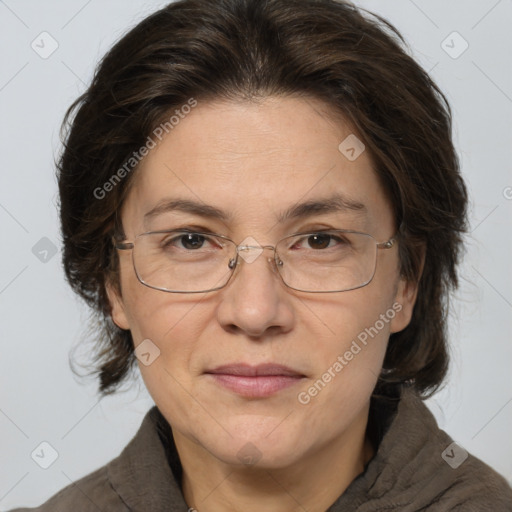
255 300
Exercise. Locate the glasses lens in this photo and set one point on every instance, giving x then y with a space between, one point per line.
182 261
327 261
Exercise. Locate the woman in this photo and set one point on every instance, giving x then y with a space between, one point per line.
251 203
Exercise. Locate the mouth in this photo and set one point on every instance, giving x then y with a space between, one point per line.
255 381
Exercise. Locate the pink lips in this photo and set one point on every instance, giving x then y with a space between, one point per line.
255 381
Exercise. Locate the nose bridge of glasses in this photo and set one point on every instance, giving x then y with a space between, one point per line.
250 250
257 247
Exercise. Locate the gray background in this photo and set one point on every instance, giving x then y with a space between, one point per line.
41 320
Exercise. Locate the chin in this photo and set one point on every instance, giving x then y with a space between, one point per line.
259 455
257 446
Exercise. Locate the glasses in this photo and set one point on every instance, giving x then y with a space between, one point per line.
184 261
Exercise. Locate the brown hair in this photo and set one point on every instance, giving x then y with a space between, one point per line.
247 50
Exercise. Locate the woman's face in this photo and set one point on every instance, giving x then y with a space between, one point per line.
254 162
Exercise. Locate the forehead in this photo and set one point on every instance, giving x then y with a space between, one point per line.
254 162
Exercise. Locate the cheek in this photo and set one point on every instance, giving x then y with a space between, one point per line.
151 313
177 327
351 357
363 315
173 324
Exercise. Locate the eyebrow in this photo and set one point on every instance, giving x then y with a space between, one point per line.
186 206
333 204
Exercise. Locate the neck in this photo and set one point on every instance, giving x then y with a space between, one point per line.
312 483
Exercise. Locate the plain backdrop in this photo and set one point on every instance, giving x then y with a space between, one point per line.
41 320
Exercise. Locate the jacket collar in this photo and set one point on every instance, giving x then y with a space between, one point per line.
141 475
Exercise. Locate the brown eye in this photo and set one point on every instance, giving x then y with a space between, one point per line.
192 241
319 241
188 241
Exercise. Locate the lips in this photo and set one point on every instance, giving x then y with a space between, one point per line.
259 381
246 370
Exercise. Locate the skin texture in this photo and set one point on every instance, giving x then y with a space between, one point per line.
254 160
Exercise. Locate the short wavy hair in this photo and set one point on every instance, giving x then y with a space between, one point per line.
246 50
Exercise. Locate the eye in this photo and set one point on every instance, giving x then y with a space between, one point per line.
319 241
192 241
188 241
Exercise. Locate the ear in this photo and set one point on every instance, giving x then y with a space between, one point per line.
405 298
117 307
